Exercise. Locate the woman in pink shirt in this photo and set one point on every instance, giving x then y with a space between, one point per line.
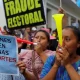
34 60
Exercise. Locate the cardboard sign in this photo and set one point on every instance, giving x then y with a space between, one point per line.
23 13
8 55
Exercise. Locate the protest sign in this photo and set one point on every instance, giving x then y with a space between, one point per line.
23 13
8 55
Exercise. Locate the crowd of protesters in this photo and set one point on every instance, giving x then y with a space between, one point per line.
47 60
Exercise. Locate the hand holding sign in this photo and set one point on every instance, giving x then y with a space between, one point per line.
22 66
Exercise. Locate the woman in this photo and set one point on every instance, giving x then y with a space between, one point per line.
35 59
65 65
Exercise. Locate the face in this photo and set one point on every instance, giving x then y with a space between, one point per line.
4 32
41 38
70 40
28 30
54 34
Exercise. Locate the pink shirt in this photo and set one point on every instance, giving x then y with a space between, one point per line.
27 58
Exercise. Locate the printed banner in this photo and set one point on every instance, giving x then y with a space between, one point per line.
23 13
8 55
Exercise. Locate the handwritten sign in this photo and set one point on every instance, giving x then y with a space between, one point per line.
23 13
8 55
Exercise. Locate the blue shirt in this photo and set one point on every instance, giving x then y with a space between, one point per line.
62 73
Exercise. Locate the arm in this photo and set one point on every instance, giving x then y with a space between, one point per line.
67 64
52 73
49 72
26 74
72 71
65 18
22 66
29 76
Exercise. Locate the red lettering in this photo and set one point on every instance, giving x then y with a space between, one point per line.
3 58
9 59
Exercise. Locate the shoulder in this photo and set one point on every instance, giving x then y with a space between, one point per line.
47 66
50 60
25 53
49 52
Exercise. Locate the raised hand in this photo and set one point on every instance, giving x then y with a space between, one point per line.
64 54
58 57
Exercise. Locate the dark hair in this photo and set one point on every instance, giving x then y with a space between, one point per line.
9 32
76 31
46 33
53 44
50 29
55 30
